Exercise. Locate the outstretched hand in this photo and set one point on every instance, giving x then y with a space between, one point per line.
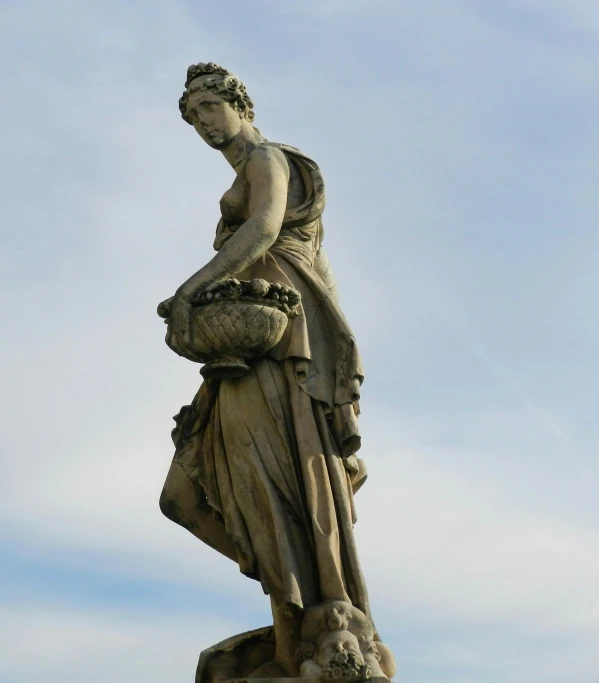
178 334
177 313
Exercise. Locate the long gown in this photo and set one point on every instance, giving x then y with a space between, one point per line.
265 468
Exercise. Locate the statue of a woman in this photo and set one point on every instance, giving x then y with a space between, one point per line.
265 467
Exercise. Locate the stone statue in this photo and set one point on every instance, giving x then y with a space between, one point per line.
265 467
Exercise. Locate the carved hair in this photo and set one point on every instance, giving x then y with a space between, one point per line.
223 83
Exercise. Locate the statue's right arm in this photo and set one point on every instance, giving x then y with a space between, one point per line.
267 173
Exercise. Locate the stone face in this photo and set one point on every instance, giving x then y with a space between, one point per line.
265 467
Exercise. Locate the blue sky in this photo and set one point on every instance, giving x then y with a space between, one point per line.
460 147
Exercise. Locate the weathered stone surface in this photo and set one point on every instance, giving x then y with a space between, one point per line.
265 467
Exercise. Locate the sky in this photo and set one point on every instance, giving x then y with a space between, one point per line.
459 143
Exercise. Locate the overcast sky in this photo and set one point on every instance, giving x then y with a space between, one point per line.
460 145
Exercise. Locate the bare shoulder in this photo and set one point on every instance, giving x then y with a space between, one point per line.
267 159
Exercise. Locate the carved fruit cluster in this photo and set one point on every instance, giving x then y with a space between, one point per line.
273 294
346 665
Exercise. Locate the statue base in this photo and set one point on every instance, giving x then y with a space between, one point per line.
250 658
374 679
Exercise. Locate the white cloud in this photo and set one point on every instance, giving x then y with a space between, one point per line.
328 8
582 15
458 547
61 643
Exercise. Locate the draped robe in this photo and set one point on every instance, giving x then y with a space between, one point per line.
265 468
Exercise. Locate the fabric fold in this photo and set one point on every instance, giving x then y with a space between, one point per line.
265 468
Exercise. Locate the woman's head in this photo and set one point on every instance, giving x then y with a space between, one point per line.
215 103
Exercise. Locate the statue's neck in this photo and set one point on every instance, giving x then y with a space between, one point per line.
239 149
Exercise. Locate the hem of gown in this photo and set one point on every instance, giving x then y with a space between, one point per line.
200 447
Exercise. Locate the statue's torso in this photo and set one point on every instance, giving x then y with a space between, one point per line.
235 202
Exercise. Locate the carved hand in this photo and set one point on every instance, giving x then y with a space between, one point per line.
178 334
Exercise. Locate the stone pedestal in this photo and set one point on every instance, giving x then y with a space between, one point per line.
375 679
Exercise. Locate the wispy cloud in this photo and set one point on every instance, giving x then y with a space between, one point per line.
73 644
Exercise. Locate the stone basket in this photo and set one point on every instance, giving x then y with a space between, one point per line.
233 322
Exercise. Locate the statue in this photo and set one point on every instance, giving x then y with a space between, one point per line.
265 467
